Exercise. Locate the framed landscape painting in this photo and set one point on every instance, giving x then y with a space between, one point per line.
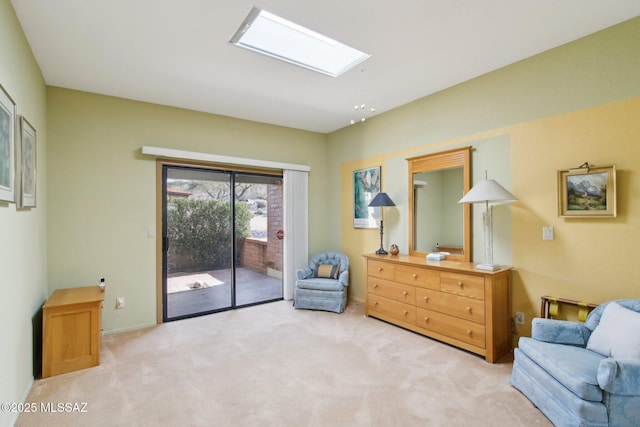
366 184
587 193
7 146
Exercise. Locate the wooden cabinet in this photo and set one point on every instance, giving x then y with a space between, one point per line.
71 329
450 301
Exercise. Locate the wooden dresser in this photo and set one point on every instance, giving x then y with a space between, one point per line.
450 301
71 329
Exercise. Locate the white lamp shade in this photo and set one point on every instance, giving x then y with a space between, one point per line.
488 190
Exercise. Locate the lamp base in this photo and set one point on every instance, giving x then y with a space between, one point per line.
381 251
488 267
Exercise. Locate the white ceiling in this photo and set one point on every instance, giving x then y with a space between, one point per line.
176 52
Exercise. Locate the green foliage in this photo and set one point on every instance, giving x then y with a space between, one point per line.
578 202
200 230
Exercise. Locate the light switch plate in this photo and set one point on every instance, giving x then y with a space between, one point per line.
547 233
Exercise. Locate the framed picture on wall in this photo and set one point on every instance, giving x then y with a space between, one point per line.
587 192
29 166
7 146
366 184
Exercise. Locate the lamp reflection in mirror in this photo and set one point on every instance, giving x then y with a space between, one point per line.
488 191
381 200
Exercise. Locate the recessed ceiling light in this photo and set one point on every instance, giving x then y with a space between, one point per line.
271 35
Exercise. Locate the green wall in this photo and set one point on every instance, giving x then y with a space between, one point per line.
23 257
102 190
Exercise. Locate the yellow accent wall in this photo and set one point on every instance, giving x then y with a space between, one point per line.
578 102
590 259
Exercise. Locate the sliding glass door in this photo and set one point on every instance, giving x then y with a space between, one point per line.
259 234
221 240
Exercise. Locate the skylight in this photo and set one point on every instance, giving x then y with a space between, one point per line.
271 35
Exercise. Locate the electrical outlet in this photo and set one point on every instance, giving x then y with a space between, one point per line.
120 302
519 318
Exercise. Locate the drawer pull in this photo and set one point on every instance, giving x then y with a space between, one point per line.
375 285
469 310
380 269
375 303
426 299
405 293
469 332
426 319
415 276
461 285
405 312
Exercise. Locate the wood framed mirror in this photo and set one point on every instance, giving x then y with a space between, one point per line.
437 223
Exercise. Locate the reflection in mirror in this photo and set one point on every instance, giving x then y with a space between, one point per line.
437 214
437 223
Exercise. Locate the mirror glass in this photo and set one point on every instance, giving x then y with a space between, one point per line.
437 215
438 223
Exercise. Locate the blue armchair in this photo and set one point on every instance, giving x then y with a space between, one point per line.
570 383
323 284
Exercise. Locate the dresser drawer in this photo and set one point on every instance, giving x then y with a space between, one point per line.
462 284
463 330
380 269
417 276
388 289
391 308
454 305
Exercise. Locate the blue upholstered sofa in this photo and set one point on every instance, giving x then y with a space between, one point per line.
565 371
323 284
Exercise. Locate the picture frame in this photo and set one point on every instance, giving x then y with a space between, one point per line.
366 184
7 147
587 192
29 171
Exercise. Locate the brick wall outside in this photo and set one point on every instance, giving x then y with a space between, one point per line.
259 255
252 255
274 223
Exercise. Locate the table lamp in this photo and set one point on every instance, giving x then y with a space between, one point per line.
381 200
488 191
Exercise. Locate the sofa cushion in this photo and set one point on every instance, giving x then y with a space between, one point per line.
618 333
574 367
320 284
329 271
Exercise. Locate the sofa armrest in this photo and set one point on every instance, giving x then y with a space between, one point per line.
344 278
620 376
559 332
303 273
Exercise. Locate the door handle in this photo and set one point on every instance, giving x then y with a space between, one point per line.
165 244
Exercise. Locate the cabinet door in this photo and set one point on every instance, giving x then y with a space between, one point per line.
71 338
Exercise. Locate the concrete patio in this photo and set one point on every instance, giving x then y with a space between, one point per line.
207 291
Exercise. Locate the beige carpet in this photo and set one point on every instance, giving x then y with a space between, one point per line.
272 365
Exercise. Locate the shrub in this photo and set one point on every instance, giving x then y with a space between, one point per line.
199 230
